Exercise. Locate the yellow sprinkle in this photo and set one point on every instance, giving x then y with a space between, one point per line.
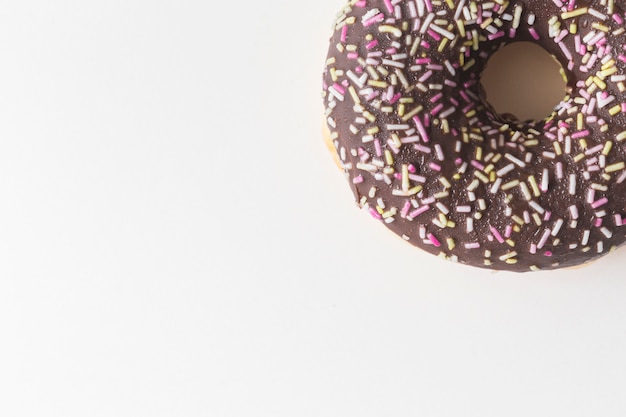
599 26
412 113
518 220
615 167
601 84
354 95
486 23
621 136
607 148
574 13
469 65
481 176
445 182
537 219
533 184
579 157
379 84
615 110
390 29
442 44
451 243
583 143
580 121
388 157
369 116
510 185
461 25
373 130
607 72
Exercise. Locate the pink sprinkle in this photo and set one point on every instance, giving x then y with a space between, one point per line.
533 33
598 222
548 253
533 248
344 33
618 220
436 109
389 6
405 209
571 5
508 231
421 61
434 167
376 19
580 134
375 214
395 98
379 151
372 44
353 55
477 165
600 202
496 234
436 97
434 35
421 129
357 180
495 35
472 245
412 169
433 239
618 19
458 161
419 211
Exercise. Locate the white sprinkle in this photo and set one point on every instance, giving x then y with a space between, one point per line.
572 184
536 207
585 237
606 232
516 161
442 208
557 227
544 239
505 170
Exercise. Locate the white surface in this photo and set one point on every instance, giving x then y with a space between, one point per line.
175 241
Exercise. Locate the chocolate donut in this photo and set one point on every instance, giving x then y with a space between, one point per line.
427 155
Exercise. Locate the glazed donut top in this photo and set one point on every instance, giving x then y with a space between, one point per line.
427 155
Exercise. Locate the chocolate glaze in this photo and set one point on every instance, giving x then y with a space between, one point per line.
455 158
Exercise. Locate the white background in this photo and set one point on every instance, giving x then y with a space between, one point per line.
176 241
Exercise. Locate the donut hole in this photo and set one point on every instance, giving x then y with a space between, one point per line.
523 80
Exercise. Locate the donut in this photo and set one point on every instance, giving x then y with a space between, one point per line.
427 155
